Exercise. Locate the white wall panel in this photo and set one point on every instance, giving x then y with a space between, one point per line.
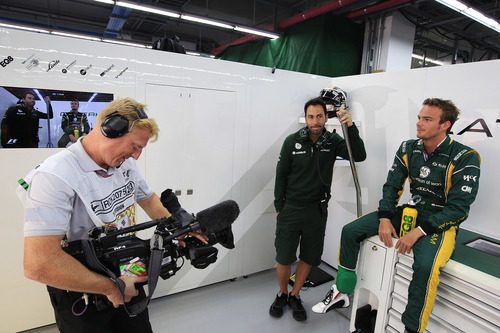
240 114
388 104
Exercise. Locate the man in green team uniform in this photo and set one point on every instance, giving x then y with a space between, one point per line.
302 190
74 124
20 122
445 174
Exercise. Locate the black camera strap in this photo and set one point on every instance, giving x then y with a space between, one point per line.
153 274
154 268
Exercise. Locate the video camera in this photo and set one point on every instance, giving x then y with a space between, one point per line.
116 253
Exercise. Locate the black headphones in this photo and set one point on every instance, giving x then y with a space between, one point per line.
116 125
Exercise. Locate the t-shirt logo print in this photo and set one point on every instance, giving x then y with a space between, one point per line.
298 145
424 172
118 196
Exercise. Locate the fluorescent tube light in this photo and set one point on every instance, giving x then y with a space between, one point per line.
109 2
257 32
419 57
92 98
453 4
192 18
472 13
123 43
22 27
38 94
206 21
59 33
147 9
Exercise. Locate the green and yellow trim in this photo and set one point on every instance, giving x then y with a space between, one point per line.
443 255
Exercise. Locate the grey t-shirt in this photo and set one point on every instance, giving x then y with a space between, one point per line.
70 194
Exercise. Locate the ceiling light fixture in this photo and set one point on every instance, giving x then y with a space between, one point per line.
147 9
60 33
109 2
192 18
22 27
419 57
114 41
206 21
257 32
472 13
72 35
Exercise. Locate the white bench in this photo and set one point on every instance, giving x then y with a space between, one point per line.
468 300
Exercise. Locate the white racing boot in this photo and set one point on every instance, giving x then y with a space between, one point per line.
333 299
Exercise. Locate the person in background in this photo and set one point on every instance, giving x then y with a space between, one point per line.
445 174
301 192
74 124
20 122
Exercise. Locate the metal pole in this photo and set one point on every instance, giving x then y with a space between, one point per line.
353 170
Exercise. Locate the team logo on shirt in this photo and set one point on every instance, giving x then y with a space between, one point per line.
117 197
467 189
439 165
468 178
298 146
425 171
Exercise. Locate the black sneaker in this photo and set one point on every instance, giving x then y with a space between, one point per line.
298 311
276 309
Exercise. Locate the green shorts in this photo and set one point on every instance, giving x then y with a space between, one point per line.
304 226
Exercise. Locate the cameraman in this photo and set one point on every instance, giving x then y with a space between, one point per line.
92 183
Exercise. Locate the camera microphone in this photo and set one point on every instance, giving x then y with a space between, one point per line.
218 217
214 221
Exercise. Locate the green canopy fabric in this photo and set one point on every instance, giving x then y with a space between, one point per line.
328 45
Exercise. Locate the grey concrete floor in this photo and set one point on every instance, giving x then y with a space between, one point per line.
241 306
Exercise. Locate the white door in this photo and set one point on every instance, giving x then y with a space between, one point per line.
193 155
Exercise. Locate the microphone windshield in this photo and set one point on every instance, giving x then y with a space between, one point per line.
218 217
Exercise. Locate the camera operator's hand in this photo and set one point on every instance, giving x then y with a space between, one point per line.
201 236
114 295
344 116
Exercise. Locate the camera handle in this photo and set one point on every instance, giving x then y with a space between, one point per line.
157 250
154 267
160 227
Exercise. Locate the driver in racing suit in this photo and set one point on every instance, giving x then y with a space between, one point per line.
445 174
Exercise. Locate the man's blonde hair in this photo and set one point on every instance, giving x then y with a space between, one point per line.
127 107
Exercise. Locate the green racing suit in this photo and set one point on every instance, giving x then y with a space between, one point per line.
448 181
